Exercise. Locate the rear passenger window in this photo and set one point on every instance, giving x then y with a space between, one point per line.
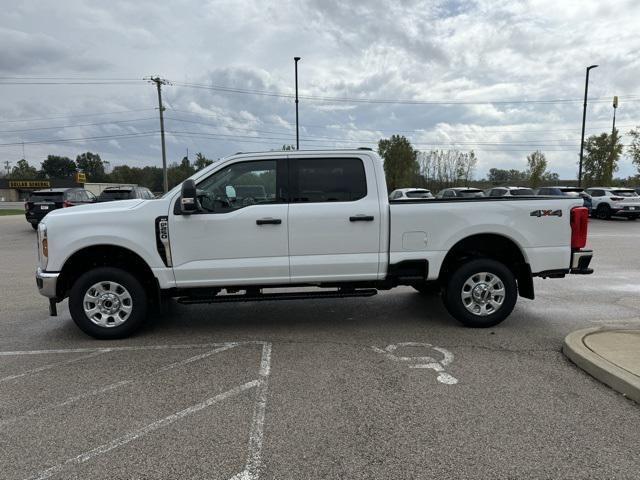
328 180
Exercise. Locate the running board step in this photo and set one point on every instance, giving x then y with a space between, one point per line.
362 292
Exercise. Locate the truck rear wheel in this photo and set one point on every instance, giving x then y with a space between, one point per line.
108 303
481 293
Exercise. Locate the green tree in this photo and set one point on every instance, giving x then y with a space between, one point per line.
201 161
634 148
602 153
537 164
499 176
91 164
400 161
23 171
58 167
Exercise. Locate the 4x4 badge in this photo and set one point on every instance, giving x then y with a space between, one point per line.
546 213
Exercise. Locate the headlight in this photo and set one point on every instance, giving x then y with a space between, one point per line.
43 245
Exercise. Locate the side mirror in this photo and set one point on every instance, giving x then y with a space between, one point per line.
188 200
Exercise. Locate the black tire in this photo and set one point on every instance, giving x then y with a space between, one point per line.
34 226
453 301
603 212
138 303
632 218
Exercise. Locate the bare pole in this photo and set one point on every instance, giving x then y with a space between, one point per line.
296 60
159 82
584 118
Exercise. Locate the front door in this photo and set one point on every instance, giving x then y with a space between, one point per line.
334 220
239 236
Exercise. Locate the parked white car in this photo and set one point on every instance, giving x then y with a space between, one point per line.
609 201
410 194
509 192
460 192
324 220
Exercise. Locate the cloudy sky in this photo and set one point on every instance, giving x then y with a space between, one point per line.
502 78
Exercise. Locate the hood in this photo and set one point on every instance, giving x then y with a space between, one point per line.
97 208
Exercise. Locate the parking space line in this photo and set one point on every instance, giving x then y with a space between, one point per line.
131 436
114 386
254 456
49 366
120 349
253 465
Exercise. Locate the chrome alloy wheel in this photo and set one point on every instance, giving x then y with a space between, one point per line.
107 304
483 293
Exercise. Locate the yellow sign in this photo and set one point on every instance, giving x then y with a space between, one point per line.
29 184
81 177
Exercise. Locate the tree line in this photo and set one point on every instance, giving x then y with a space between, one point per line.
405 166
95 170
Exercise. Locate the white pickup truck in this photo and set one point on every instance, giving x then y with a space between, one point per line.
256 226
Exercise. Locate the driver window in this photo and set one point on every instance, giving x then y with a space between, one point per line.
239 185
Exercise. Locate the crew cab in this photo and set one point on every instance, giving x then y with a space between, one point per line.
319 218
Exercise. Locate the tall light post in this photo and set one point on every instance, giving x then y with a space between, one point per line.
613 140
584 118
295 61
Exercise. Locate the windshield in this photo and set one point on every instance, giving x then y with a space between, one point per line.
624 193
418 194
115 195
522 192
471 193
46 197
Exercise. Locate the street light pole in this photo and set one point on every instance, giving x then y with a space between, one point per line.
584 118
296 60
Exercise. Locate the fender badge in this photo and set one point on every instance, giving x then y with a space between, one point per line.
546 213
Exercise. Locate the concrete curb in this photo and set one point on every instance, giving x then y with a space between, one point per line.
597 366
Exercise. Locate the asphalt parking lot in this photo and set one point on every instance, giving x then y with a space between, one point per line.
376 388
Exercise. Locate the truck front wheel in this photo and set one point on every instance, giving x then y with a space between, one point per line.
481 293
108 303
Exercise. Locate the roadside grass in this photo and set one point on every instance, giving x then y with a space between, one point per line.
11 212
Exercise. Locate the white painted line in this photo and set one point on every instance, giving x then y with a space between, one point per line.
254 462
49 366
426 362
131 436
113 386
121 349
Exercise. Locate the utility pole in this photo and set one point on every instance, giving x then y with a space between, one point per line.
7 166
296 60
159 82
584 118
613 137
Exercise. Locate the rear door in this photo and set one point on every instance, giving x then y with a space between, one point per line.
334 219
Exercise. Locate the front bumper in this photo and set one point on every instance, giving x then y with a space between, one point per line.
47 282
580 260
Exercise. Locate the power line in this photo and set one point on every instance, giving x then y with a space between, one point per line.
326 98
114 122
73 115
81 139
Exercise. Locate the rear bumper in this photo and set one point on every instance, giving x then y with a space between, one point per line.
47 282
580 260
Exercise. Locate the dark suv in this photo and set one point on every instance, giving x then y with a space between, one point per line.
568 192
42 202
110 194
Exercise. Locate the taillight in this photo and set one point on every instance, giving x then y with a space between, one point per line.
579 220
66 204
617 199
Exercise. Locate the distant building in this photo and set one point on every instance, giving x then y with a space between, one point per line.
16 190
